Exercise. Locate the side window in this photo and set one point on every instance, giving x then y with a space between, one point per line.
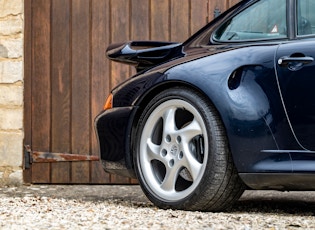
266 19
306 17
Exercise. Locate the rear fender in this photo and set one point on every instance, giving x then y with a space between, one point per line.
246 96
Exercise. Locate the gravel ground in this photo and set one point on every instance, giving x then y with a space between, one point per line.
125 207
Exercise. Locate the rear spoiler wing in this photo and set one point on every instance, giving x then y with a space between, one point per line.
144 54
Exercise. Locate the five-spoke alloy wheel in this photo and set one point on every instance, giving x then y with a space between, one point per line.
181 157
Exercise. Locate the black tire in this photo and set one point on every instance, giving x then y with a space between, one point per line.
182 157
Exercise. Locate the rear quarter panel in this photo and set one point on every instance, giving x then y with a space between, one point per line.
250 109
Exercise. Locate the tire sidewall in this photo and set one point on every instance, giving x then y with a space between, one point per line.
202 106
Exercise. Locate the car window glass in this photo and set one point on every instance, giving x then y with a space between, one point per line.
306 17
266 19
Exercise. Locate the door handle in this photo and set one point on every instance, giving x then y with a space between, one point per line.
285 61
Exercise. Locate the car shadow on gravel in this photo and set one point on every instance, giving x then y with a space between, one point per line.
268 202
274 202
275 206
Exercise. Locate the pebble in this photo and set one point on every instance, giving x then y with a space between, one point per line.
125 207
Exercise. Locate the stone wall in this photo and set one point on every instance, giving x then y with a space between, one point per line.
11 91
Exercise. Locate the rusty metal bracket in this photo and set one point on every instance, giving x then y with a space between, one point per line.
48 157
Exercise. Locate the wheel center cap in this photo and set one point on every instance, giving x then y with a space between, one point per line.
174 150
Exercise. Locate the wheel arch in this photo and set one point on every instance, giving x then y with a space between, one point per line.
144 100
141 102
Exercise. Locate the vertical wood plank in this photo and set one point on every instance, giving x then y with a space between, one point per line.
60 78
217 4
80 116
160 23
120 30
116 179
180 20
140 23
199 14
233 2
27 174
100 68
119 33
41 86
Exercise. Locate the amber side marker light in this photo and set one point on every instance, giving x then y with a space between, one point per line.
109 102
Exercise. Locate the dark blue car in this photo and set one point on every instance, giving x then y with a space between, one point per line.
230 109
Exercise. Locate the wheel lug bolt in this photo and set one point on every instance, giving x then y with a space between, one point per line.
171 163
164 152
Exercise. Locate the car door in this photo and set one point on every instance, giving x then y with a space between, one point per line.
296 76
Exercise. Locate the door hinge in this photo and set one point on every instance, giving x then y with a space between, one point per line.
49 157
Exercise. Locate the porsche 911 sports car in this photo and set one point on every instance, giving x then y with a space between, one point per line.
231 108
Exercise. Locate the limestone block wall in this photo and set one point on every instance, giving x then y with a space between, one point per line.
11 91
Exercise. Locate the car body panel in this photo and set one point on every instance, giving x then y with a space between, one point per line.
267 107
297 83
247 116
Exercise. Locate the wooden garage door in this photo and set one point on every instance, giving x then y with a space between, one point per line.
67 76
